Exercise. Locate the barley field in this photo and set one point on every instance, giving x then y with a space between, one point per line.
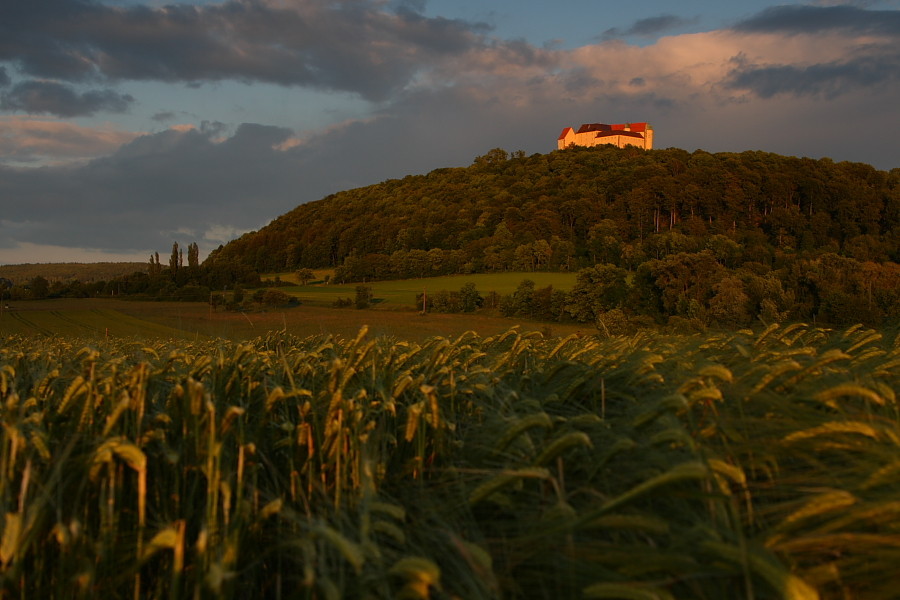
750 464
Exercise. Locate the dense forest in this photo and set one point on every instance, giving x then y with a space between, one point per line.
665 233
573 208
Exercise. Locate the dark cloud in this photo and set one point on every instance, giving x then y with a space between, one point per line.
816 19
48 97
348 46
648 27
4 78
825 79
164 115
410 6
153 186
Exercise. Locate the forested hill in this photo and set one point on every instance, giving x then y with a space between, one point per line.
578 207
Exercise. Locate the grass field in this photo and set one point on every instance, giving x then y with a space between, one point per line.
402 293
394 313
99 318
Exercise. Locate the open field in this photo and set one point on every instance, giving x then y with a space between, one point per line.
85 272
746 465
402 293
97 318
90 319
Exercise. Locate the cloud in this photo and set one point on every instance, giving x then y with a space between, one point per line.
28 253
4 78
337 45
829 79
797 19
867 42
164 115
50 97
42 141
153 187
648 27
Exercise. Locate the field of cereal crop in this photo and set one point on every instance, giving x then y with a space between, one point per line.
752 464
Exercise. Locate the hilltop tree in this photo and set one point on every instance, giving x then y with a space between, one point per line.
497 156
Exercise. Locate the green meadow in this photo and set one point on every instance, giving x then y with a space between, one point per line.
402 293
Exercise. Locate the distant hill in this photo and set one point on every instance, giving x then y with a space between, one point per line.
575 207
66 272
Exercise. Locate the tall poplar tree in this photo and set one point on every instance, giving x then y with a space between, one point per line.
173 259
193 255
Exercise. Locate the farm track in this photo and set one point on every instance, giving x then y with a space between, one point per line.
67 318
29 323
155 320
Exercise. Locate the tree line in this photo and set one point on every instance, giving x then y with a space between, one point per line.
174 279
691 291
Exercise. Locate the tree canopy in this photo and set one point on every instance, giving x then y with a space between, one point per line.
573 208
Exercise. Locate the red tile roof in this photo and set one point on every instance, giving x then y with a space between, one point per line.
564 132
588 127
620 132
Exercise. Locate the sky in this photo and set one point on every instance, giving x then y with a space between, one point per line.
129 125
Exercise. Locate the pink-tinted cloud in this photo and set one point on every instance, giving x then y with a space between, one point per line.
28 253
26 140
712 67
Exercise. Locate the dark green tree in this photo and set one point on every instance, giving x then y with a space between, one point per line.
277 298
469 298
684 281
193 256
39 288
597 290
174 260
521 302
363 296
305 275
155 268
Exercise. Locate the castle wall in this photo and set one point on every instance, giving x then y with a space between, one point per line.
642 137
